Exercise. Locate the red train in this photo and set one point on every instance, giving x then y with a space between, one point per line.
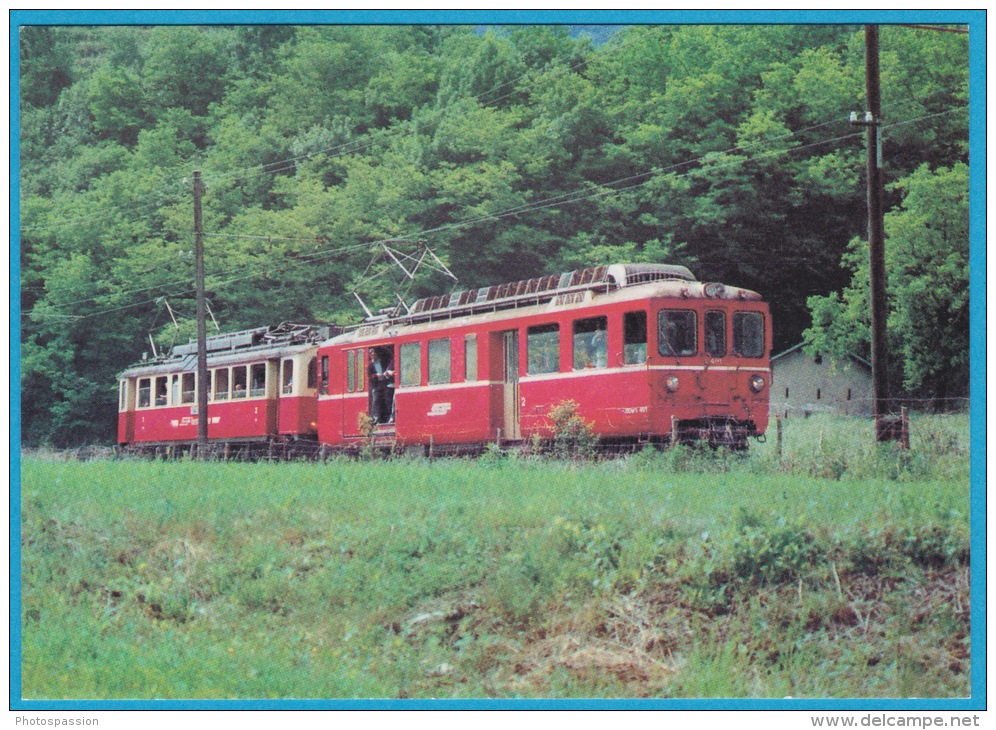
644 350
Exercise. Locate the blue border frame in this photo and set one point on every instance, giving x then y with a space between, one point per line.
977 279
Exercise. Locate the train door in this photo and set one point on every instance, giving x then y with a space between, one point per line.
510 385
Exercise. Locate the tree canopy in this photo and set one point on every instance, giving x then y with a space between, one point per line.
511 152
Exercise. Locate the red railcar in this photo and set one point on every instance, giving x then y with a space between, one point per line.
645 351
263 387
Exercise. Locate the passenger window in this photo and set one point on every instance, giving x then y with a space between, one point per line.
634 338
591 349
715 334
439 361
239 382
257 374
161 391
312 372
144 393
189 388
122 397
411 364
174 390
350 371
543 346
287 379
470 358
324 388
748 334
676 333
221 384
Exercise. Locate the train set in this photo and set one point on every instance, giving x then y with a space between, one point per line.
645 351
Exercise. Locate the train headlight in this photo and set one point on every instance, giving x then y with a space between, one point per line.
756 383
671 383
714 291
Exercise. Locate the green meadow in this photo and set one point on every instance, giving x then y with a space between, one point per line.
837 568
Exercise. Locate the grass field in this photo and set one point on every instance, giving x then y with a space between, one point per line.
839 569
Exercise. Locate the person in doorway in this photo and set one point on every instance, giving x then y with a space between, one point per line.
380 375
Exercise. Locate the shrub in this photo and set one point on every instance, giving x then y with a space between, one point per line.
573 437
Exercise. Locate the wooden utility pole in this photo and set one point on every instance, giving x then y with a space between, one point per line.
876 235
202 371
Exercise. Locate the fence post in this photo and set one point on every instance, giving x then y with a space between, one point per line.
674 431
904 425
778 435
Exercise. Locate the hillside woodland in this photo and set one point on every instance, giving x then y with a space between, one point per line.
511 152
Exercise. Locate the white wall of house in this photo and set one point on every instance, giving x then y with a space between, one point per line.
802 385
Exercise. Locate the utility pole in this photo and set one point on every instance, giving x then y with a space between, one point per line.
202 371
876 235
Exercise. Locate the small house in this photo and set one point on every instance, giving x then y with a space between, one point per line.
803 384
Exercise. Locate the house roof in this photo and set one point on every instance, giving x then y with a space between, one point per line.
789 351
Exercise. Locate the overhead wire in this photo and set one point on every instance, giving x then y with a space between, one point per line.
578 195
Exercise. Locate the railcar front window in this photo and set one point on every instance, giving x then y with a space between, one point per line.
543 345
635 338
439 361
411 364
123 402
676 333
350 371
715 334
748 334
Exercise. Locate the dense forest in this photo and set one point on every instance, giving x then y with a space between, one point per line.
510 152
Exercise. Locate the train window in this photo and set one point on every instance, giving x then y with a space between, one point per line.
676 332
591 349
324 387
635 338
161 391
189 388
715 334
257 374
174 397
361 370
411 364
123 400
239 382
287 379
350 371
312 372
144 392
439 361
221 384
748 334
470 358
543 347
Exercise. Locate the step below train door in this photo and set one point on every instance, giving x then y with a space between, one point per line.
510 385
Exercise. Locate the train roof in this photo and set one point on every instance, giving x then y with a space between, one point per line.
234 347
617 282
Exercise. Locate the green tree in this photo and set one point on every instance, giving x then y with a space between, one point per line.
927 268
